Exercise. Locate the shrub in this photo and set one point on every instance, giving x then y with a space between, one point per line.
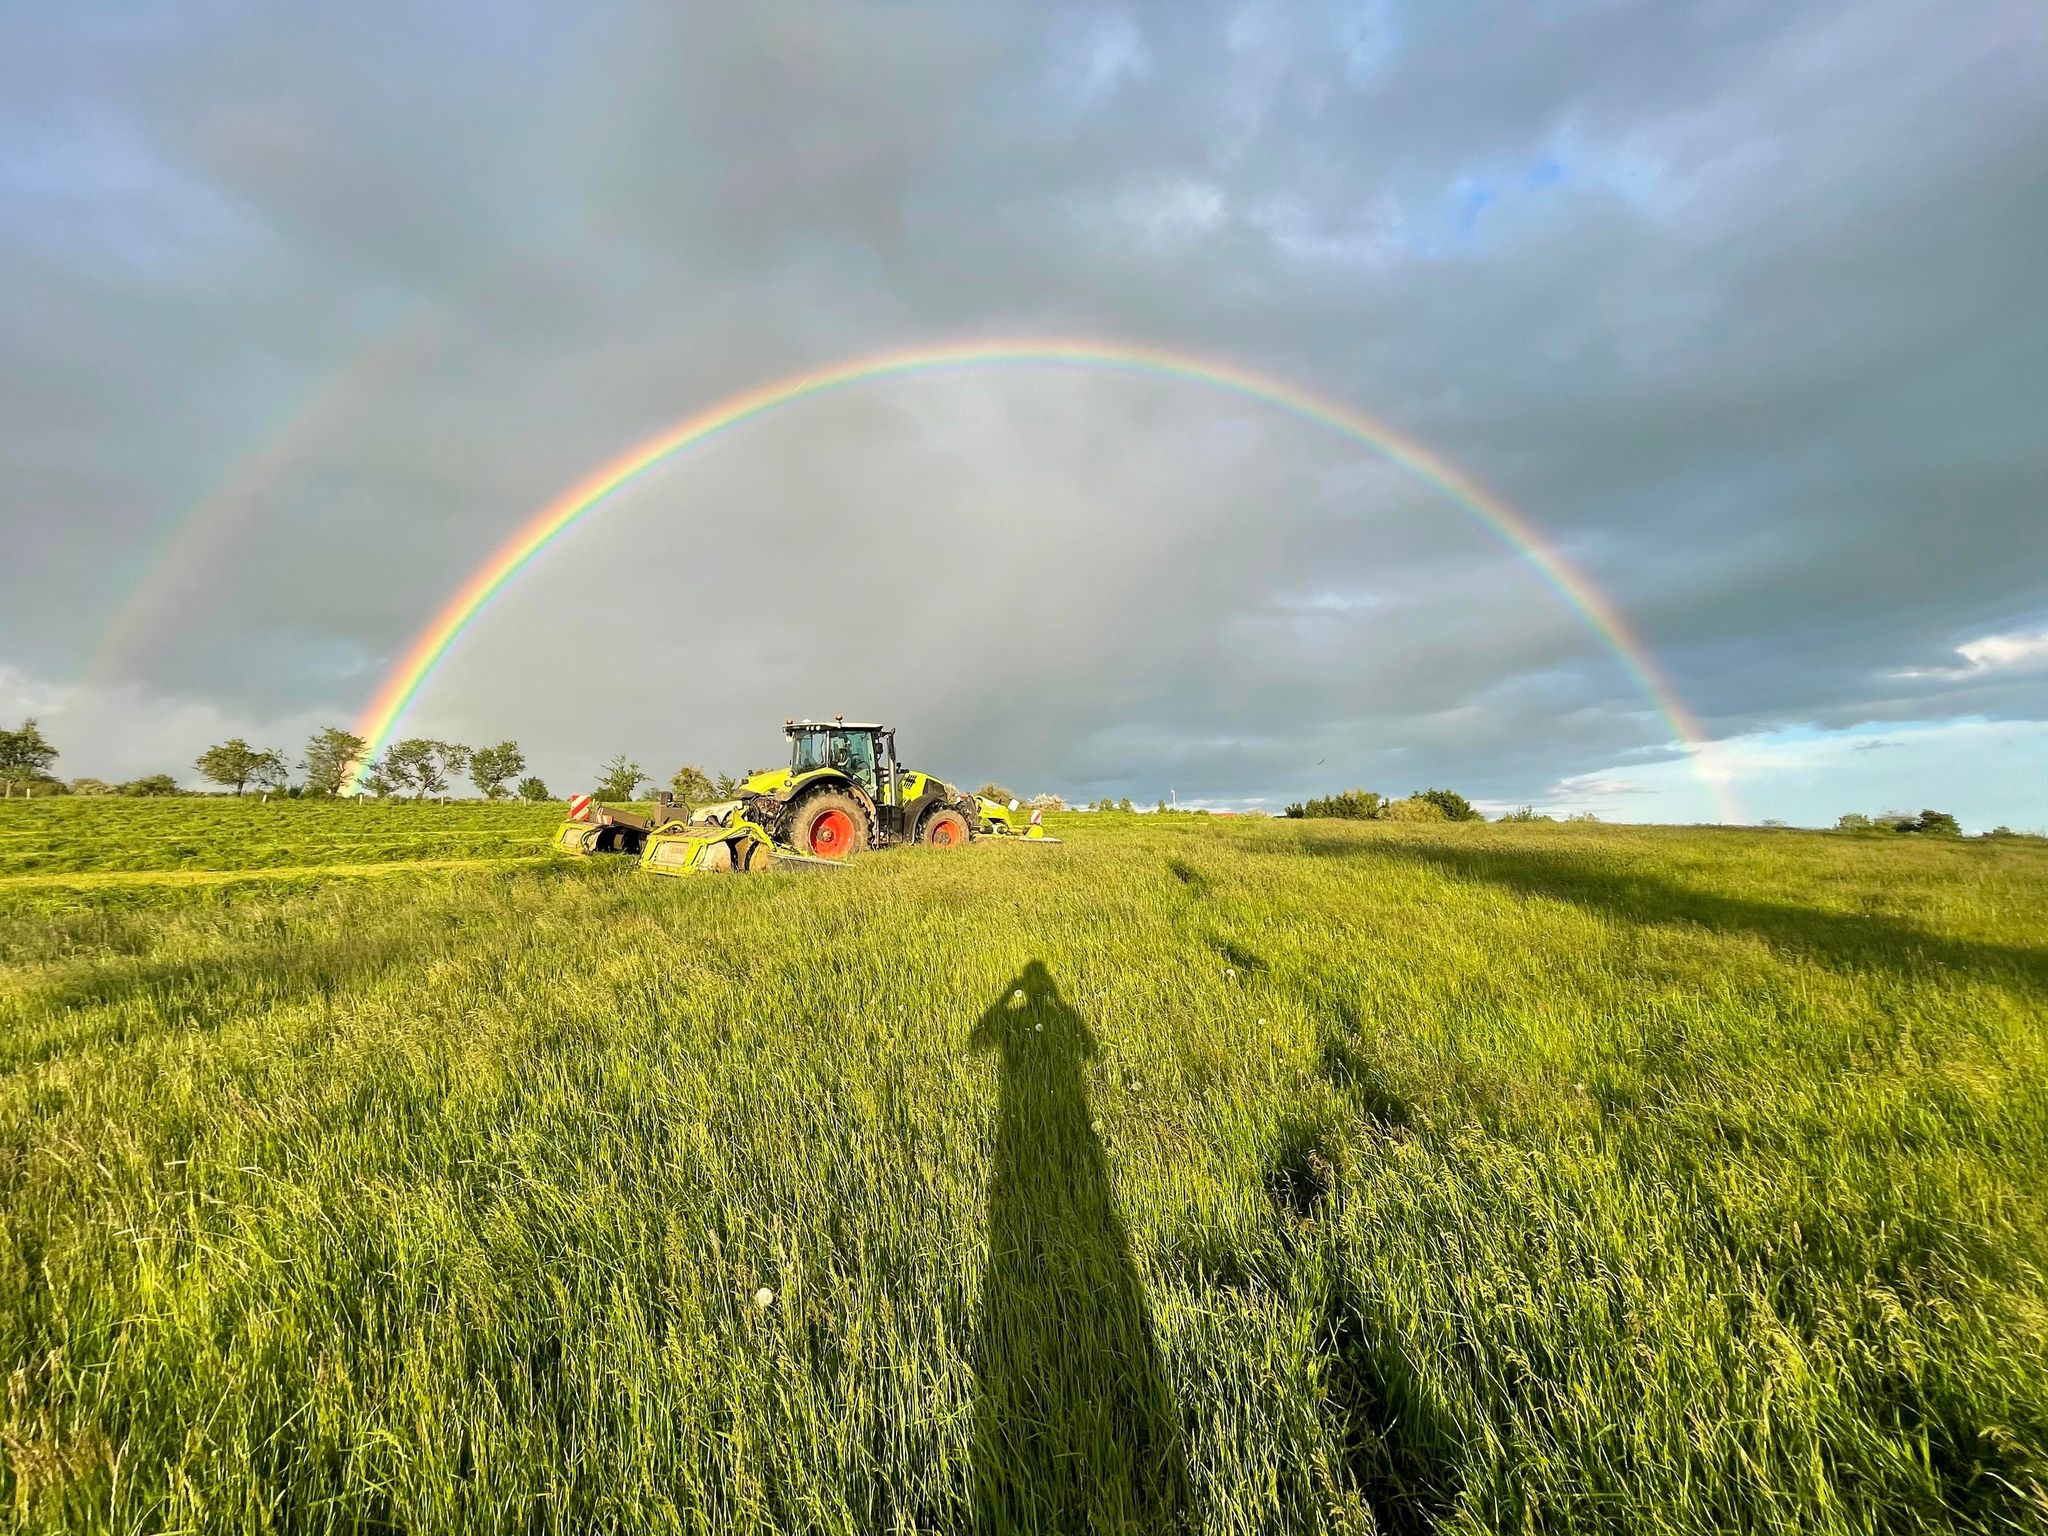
693 786
1351 805
92 787
533 789
1454 805
152 784
1415 808
1522 813
1934 824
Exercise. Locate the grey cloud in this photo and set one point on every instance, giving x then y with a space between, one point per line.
1757 344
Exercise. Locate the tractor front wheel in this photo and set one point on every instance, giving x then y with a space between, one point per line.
944 829
828 826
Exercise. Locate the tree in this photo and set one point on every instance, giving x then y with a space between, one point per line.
993 791
1454 805
1854 821
92 787
692 786
236 765
1048 803
330 755
617 779
533 789
378 779
272 771
25 755
152 784
422 765
1935 824
1124 804
490 767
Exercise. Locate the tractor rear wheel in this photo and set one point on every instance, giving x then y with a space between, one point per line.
944 829
828 825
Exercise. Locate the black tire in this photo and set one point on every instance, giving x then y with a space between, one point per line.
944 828
817 807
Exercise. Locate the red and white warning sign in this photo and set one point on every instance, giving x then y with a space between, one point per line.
579 806
1038 816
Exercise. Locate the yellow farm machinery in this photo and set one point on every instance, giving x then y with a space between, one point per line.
844 792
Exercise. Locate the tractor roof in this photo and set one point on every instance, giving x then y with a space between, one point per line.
832 725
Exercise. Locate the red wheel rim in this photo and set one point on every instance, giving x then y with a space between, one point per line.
945 834
832 835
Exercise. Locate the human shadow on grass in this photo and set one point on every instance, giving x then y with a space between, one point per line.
1075 1426
1842 940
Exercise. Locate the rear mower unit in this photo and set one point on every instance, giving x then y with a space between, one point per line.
593 828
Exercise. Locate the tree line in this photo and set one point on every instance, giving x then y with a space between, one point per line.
416 766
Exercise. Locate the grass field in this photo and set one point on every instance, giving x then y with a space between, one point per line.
1221 1176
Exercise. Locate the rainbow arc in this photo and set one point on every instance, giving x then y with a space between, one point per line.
402 685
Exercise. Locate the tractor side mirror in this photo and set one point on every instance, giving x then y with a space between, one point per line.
1013 805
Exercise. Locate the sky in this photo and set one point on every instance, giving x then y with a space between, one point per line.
304 311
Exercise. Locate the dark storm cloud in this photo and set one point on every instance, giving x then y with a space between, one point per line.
1743 305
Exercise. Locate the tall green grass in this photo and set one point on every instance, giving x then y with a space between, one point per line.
1185 1175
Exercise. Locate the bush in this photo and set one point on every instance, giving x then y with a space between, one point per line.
1415 808
153 784
533 789
1454 805
92 787
1934 824
1352 805
693 786
1522 813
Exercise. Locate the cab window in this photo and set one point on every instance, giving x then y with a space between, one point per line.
855 754
810 752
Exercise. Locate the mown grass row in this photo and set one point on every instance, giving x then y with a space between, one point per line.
88 834
1353 1178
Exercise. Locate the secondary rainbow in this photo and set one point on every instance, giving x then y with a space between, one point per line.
405 680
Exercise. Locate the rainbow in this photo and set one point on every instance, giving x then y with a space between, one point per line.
403 683
199 537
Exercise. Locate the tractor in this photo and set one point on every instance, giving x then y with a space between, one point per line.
843 792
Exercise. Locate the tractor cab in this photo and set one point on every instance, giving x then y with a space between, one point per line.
864 753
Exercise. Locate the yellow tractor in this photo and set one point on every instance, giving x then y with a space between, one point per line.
843 792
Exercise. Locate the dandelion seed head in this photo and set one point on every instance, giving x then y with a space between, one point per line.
764 1297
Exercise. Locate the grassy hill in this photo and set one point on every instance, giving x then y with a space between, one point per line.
1234 1176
